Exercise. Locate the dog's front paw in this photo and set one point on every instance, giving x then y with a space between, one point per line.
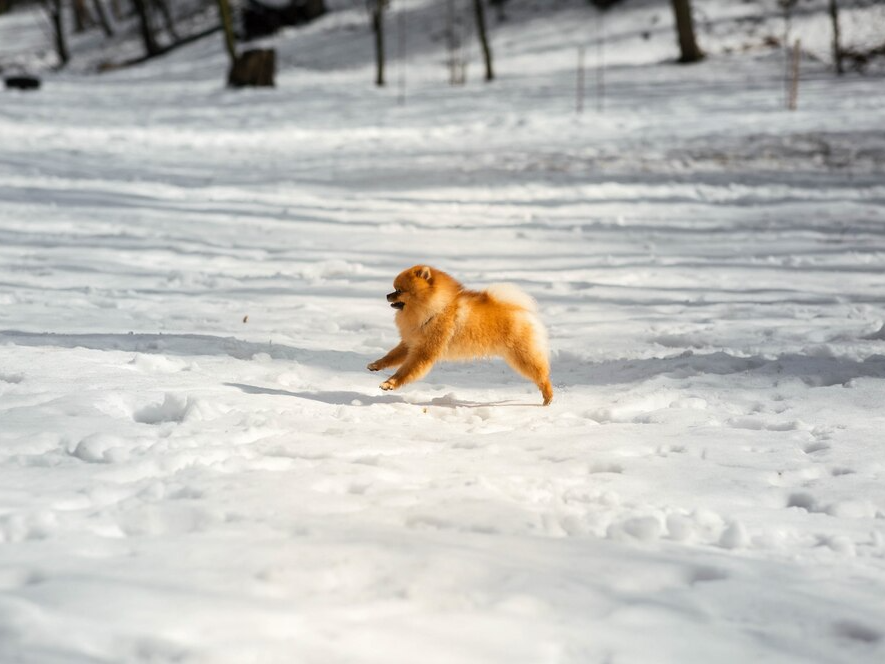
374 366
390 384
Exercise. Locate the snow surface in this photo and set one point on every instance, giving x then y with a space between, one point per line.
195 465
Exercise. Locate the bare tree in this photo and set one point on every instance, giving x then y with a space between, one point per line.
227 25
117 9
688 46
483 38
55 10
147 27
454 39
163 7
499 5
787 7
103 20
82 18
837 40
376 7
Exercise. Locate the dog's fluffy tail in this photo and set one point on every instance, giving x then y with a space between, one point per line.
514 295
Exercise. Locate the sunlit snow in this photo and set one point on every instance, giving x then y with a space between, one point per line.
195 465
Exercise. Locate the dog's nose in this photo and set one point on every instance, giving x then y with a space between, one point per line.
392 296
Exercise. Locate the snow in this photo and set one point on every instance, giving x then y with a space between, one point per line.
195 465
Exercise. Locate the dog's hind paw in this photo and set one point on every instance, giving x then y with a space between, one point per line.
373 366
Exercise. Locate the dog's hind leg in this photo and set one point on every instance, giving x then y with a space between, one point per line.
534 366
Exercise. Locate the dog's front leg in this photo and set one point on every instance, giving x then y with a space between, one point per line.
394 358
418 362
421 357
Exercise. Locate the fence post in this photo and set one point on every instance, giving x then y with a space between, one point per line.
580 86
788 52
600 64
794 83
401 44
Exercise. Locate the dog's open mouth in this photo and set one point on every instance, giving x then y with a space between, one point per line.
391 297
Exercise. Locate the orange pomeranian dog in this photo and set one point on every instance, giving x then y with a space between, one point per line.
438 319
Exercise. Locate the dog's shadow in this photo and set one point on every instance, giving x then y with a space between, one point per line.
347 398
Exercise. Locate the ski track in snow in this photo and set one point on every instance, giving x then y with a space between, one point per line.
195 465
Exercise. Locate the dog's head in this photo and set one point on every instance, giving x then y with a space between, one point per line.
413 288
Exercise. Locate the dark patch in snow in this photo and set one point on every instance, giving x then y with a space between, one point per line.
814 370
11 378
187 345
704 574
335 398
856 631
804 501
817 446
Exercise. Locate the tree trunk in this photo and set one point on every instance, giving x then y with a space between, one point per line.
103 18
499 5
484 38
228 24
167 18
56 16
82 17
457 66
837 41
147 28
253 68
378 27
688 46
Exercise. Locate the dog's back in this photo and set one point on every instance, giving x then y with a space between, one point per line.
494 322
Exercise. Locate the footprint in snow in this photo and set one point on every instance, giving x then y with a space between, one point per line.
174 408
804 501
606 468
18 577
759 424
704 574
816 446
856 631
839 471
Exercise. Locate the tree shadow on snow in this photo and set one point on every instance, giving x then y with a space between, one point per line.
188 345
813 370
479 375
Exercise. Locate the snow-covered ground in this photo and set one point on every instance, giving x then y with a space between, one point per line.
195 465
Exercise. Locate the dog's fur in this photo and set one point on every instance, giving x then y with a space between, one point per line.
438 319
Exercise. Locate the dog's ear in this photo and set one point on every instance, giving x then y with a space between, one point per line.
423 272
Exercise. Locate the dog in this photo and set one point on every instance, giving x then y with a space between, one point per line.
439 319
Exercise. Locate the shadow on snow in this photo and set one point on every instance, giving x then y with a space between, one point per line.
568 369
